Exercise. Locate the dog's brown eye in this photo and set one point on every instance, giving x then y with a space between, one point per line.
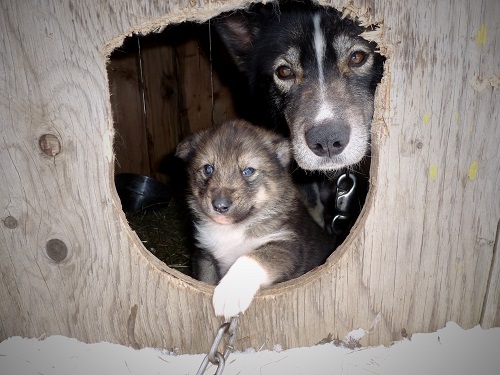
357 58
284 72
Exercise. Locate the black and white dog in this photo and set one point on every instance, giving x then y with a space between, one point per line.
310 74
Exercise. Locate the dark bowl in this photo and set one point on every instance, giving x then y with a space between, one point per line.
139 192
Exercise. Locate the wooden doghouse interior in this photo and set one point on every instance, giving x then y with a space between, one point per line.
165 86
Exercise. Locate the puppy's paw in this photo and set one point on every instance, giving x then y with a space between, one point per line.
237 288
231 297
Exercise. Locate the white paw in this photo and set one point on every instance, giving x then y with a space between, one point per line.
237 288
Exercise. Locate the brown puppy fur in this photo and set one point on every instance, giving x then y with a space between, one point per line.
251 227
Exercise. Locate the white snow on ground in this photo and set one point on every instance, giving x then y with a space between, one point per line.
449 351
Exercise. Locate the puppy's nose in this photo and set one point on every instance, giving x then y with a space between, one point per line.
221 204
328 139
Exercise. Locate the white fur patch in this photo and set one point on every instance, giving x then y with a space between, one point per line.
237 289
325 110
319 48
229 242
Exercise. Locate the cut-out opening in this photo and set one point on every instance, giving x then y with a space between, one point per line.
164 87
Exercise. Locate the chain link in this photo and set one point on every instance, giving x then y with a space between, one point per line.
214 356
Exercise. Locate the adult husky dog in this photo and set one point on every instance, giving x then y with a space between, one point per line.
310 74
251 228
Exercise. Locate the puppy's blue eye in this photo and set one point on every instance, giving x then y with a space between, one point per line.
248 171
208 169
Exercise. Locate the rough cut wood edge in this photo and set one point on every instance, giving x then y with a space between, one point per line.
410 266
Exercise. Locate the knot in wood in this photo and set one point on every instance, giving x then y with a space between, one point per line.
10 222
56 250
50 145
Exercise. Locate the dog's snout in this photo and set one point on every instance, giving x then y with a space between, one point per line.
327 140
221 204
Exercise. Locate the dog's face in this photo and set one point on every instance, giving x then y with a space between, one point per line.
313 72
235 170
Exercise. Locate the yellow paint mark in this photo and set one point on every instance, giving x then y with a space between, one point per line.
481 35
472 171
457 116
470 129
433 170
427 117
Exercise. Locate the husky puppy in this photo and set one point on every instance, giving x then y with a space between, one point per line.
311 75
251 228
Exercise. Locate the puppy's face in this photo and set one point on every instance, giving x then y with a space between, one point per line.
234 171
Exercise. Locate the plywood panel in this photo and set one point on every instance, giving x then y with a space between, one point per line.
205 100
128 106
164 87
161 85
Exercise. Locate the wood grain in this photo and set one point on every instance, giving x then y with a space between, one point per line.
128 109
421 254
163 89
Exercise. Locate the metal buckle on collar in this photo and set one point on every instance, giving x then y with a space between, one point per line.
345 195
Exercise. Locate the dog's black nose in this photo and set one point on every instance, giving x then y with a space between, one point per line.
221 204
328 139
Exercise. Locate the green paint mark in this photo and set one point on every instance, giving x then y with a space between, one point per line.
481 35
427 118
472 171
433 170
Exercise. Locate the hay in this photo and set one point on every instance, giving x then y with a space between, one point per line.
166 232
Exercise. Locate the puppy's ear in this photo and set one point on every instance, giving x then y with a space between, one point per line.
186 148
283 151
238 32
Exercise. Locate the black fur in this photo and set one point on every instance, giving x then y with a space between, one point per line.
260 40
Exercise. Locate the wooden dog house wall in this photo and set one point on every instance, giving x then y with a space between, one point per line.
165 86
422 253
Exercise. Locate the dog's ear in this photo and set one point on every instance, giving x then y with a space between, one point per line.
186 147
237 31
283 151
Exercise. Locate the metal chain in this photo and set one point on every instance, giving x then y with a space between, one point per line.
214 356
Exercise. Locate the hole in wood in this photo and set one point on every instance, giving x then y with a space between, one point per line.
166 86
